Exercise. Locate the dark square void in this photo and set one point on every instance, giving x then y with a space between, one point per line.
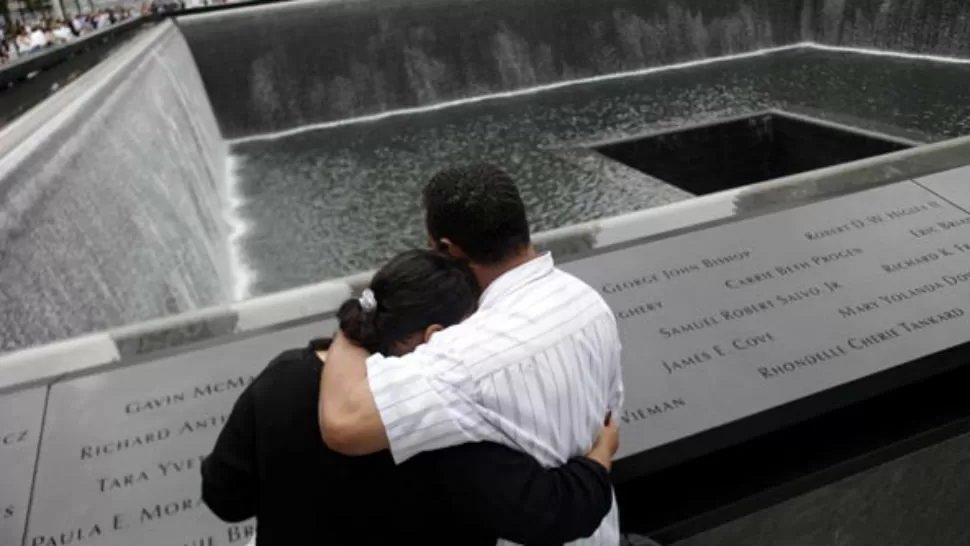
713 157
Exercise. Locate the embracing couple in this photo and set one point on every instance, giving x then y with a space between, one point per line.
462 401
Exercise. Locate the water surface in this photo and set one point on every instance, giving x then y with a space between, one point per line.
332 202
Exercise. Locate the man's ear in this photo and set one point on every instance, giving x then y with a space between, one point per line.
431 330
451 249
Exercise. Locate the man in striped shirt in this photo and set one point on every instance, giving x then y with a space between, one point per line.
537 367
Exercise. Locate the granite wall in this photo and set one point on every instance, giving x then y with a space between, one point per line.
918 499
278 67
110 199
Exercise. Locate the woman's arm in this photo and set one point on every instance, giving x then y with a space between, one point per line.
229 480
507 493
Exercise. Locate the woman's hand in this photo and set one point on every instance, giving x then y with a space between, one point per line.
606 444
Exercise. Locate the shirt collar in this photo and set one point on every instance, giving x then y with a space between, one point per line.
515 278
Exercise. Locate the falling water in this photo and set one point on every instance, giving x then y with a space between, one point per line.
333 200
114 215
338 109
313 62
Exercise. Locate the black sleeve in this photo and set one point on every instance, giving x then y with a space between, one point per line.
229 479
507 493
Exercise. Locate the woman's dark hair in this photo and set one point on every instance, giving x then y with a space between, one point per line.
414 290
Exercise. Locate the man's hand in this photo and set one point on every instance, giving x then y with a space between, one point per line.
606 444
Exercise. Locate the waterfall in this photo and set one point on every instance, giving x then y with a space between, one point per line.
111 197
319 61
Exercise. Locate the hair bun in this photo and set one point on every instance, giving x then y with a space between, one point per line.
359 325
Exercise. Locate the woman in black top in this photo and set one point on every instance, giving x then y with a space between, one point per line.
270 461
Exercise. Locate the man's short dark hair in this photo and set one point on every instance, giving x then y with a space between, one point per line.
478 208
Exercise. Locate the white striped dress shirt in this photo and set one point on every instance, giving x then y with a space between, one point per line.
537 368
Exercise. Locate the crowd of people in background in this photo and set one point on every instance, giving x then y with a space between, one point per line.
22 38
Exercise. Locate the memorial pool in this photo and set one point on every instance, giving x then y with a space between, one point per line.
348 196
139 202
795 351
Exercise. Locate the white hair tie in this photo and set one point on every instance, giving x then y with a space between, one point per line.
367 301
